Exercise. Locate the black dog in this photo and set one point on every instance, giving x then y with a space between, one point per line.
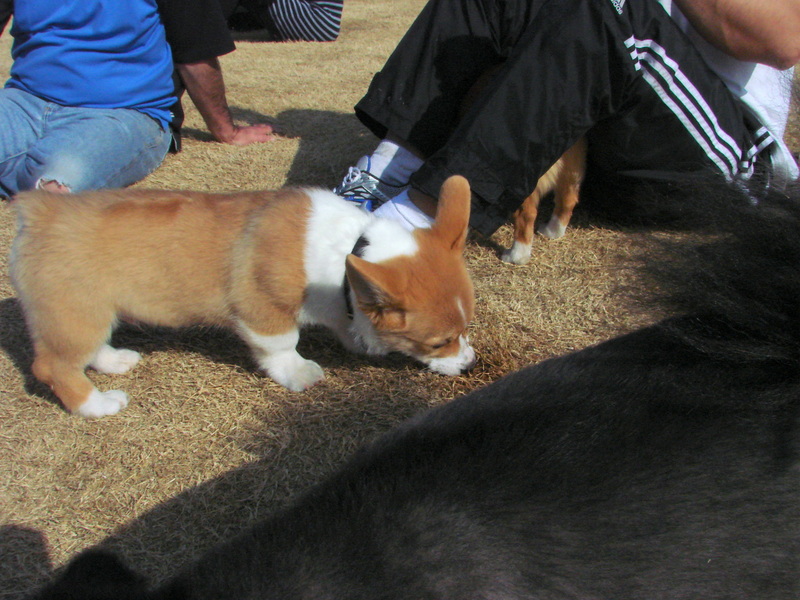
660 464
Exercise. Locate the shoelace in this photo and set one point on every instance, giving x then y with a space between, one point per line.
353 173
363 193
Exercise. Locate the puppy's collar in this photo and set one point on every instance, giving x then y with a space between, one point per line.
358 250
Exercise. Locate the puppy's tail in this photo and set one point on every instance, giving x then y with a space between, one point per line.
738 284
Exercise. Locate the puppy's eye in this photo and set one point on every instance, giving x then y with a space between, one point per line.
441 344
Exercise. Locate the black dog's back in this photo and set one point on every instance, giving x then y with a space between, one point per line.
660 464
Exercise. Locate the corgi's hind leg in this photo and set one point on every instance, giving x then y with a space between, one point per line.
67 338
524 218
567 190
67 379
278 356
565 201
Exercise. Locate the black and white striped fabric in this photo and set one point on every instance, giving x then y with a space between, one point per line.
306 20
680 95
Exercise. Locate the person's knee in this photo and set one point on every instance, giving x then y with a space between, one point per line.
51 185
60 172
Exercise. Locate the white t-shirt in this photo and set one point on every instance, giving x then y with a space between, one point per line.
766 90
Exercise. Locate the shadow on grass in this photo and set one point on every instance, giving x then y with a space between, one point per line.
317 437
26 561
320 158
16 344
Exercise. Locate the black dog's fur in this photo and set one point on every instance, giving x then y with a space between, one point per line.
660 464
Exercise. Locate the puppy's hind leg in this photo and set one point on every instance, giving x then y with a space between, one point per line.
66 376
65 343
567 190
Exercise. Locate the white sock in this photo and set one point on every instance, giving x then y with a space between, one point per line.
401 209
392 163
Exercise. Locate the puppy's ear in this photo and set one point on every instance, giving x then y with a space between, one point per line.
95 575
378 288
452 212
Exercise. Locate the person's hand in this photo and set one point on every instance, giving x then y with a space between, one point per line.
251 134
206 87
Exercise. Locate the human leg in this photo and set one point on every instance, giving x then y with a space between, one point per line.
419 92
298 20
20 121
414 102
419 96
583 65
87 148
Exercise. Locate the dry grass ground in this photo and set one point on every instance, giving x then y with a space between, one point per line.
208 445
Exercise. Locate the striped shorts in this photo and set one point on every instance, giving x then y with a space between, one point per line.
306 20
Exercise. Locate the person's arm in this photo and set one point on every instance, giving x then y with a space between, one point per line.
764 31
206 87
6 9
197 32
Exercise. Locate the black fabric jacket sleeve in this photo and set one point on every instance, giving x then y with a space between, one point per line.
196 29
6 9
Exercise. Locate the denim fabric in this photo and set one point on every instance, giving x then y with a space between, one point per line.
81 148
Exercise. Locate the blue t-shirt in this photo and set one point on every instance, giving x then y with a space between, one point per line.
93 53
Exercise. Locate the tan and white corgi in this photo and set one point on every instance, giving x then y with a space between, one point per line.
564 178
264 263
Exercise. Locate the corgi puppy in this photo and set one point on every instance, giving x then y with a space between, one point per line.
565 178
263 263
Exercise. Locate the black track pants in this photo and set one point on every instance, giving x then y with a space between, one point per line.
626 76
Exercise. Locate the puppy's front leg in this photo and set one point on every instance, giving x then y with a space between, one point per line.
277 355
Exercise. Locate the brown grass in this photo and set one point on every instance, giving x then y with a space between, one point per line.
208 445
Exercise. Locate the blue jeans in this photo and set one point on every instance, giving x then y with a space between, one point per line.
80 148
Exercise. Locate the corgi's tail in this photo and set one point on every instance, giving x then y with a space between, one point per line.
739 282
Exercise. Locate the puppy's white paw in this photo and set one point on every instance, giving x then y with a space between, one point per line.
102 404
294 372
554 229
114 361
518 254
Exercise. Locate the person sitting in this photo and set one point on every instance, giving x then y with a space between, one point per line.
663 90
289 20
87 104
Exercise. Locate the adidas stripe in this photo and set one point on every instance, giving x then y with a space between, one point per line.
680 95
